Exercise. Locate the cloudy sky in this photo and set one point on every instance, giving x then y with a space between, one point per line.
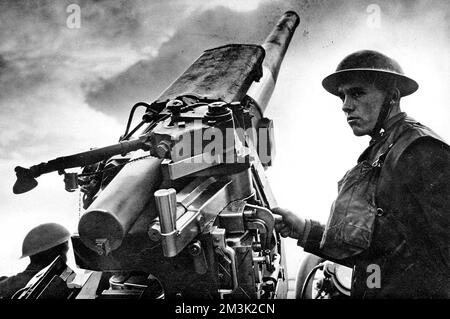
64 90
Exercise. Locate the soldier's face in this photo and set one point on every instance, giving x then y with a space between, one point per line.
361 104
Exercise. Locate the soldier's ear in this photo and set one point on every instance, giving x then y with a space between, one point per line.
395 95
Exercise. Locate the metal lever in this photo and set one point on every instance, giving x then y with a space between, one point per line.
220 243
166 202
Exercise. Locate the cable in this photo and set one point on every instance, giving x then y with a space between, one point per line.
18 292
308 278
130 117
127 136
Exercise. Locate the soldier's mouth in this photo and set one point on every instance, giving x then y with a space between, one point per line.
352 119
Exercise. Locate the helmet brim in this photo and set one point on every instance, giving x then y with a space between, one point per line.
332 82
45 247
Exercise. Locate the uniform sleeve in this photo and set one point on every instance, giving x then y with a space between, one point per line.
311 242
425 167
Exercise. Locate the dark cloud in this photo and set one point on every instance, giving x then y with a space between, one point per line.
2 64
147 79
43 65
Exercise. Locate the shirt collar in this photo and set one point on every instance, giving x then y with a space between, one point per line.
375 142
393 120
390 124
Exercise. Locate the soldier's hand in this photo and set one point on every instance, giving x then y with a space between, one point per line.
290 225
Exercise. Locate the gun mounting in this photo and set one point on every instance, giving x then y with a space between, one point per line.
187 218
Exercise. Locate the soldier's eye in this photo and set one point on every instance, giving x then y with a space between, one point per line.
357 94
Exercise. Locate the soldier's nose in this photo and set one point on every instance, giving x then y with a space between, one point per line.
347 106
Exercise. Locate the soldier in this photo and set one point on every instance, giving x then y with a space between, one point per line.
42 244
391 219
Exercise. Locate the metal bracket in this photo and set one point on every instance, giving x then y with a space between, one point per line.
174 170
218 235
262 219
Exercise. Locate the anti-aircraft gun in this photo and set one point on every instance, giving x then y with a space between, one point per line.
180 207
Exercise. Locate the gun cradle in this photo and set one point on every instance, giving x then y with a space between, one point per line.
213 219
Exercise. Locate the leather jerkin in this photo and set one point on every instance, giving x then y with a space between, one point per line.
349 228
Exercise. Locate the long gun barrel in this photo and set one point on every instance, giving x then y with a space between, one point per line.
275 46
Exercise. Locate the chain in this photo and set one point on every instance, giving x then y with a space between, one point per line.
79 204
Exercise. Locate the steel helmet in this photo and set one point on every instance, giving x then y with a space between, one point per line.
367 61
43 237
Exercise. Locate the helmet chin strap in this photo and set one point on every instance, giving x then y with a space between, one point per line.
378 130
385 110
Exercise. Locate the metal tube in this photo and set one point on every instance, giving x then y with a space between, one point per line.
166 202
88 157
113 213
275 45
26 176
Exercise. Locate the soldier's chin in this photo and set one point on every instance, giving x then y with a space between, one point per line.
357 131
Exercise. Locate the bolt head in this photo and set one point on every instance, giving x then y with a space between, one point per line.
216 107
162 149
